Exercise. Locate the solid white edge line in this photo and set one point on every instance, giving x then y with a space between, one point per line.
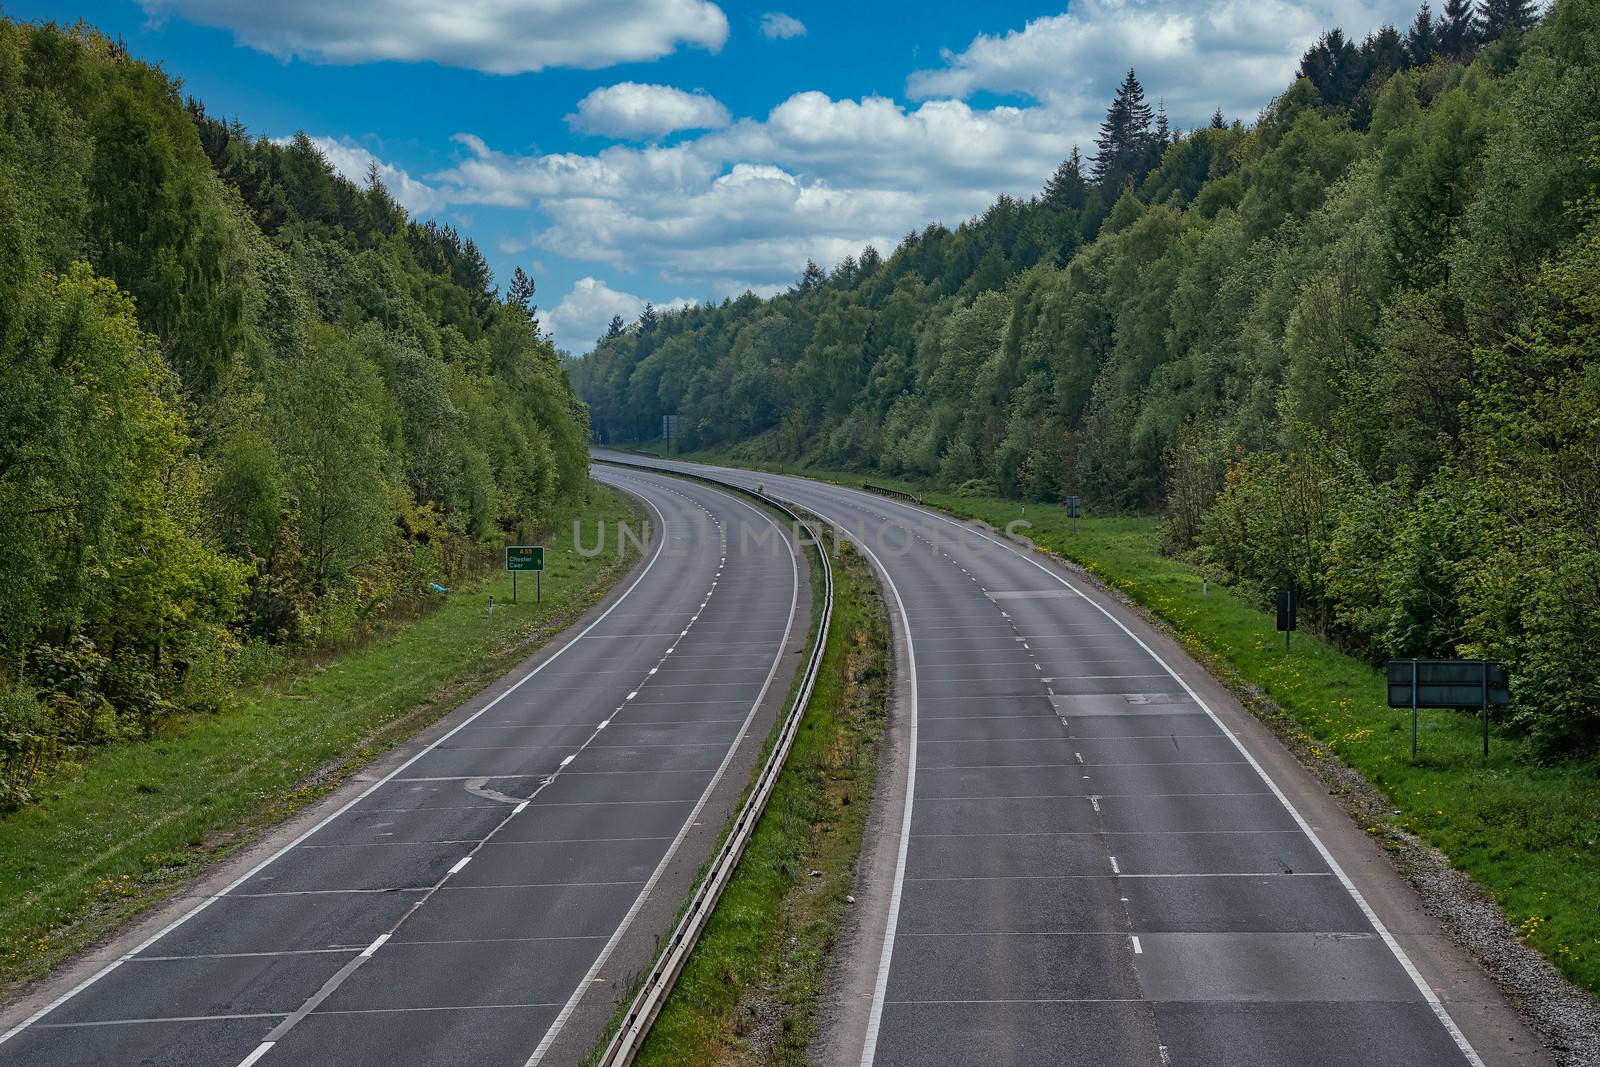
582 989
880 987
460 863
370 949
1398 952
253 871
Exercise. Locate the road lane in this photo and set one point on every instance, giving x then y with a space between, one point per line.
1090 868
462 908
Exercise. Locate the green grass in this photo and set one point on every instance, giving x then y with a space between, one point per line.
133 823
1528 834
751 990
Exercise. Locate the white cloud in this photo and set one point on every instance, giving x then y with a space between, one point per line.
585 313
776 26
495 36
635 111
1236 54
818 177
352 161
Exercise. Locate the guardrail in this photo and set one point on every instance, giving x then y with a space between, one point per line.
624 1046
886 491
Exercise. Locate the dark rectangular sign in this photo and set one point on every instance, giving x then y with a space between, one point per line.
524 557
1074 507
1447 683
1286 609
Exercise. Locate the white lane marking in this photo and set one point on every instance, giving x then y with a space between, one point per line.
376 945
253 871
520 808
261 1050
1138 949
693 820
1432 998
1094 802
460 863
1114 868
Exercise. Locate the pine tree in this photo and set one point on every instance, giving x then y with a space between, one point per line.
648 319
1333 66
1496 18
1383 52
1125 137
1217 121
811 277
616 327
1066 189
1163 127
1422 39
1458 32
521 290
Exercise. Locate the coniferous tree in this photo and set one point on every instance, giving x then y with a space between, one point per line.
1125 136
616 327
1458 33
521 290
1383 53
648 319
1163 127
1217 121
1334 68
1496 18
811 277
1422 39
1067 189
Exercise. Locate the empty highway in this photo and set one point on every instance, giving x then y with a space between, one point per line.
487 898
1087 853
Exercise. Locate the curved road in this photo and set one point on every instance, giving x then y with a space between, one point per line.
1090 854
488 899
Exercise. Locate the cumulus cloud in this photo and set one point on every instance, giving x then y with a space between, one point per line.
818 178
586 311
1235 54
636 111
352 161
776 26
495 36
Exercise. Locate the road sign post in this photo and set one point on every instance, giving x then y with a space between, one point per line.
1468 684
526 558
1074 507
1286 614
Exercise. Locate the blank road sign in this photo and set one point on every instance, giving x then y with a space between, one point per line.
1447 683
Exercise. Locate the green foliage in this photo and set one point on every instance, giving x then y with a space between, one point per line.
246 401
1372 309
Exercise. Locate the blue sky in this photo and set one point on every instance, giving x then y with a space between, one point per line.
625 150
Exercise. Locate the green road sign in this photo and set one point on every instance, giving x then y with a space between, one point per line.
524 558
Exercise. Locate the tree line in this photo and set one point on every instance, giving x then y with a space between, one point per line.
1350 346
247 406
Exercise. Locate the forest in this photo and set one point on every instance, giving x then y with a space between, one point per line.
247 408
1352 347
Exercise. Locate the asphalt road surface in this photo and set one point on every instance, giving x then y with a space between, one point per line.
1086 867
460 909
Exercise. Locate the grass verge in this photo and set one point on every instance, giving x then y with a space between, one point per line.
1529 835
752 988
128 826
